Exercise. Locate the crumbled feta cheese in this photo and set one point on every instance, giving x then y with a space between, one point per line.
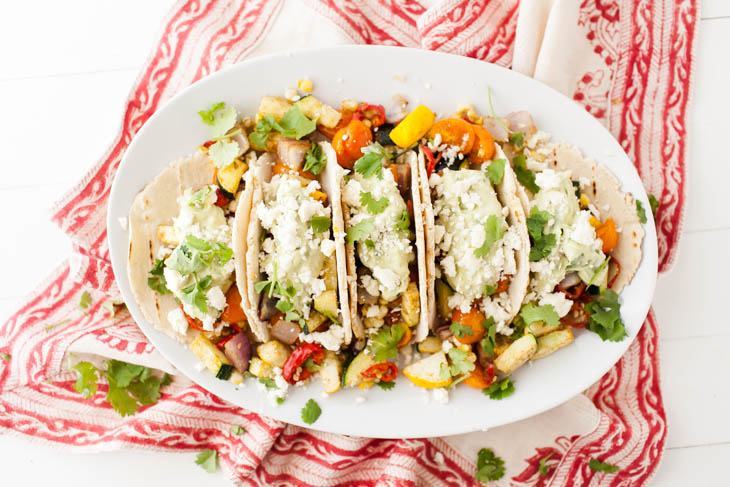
558 301
327 248
177 320
331 339
441 395
216 298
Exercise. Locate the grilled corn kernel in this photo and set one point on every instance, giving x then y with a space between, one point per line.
305 85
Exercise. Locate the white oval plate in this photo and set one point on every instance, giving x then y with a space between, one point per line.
443 82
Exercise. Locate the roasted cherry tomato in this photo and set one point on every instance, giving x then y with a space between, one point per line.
349 141
474 320
577 317
407 335
297 358
384 372
346 116
374 113
483 149
455 131
233 313
503 284
194 323
480 378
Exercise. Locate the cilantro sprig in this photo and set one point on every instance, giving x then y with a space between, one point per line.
384 344
459 362
311 412
156 278
86 379
490 337
531 313
320 224
599 466
404 221
219 118
524 175
489 466
196 254
640 212
371 162
500 389
374 206
605 316
495 171
493 231
360 231
223 152
315 160
293 125
654 203
459 330
208 460
542 243
517 139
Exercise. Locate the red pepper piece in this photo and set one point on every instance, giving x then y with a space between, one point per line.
431 161
296 360
385 372
221 199
374 113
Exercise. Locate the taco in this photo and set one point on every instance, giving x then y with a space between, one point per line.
293 256
585 240
180 266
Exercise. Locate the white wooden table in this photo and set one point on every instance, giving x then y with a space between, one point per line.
64 76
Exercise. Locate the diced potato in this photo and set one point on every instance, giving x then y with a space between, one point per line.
167 235
230 176
411 305
208 354
539 328
319 112
330 274
331 373
275 106
326 303
551 342
430 345
273 352
519 352
260 369
315 320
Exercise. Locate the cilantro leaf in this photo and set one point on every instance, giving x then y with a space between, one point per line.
371 162
386 386
223 153
294 124
260 134
517 139
460 363
220 118
374 207
543 468
459 330
199 199
542 243
268 382
196 254
320 224
85 300
654 203
384 344
490 337
493 231
131 386
495 171
640 211
599 466
605 316
315 160
208 460
500 389
237 430
360 230
524 175
5 357
311 412
195 293
403 222
545 313
489 466
86 379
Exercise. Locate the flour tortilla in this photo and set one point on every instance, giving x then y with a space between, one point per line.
420 245
330 179
508 194
157 204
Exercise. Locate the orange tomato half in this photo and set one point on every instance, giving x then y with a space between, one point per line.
348 142
483 149
455 131
608 235
233 312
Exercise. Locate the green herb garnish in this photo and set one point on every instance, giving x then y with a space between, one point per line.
311 412
493 231
500 389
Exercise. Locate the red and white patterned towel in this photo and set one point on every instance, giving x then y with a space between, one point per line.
629 62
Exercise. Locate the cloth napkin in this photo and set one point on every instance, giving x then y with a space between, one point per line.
628 62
